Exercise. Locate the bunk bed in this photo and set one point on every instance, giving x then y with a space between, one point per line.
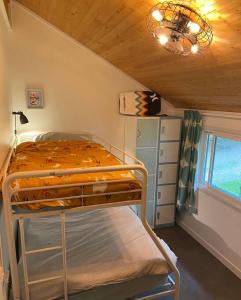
79 237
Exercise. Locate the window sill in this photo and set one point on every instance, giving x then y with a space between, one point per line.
219 196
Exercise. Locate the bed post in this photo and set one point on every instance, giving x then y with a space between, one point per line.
10 237
155 238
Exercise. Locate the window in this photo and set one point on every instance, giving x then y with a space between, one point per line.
222 165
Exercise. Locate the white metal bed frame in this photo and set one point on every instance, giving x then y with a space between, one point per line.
128 163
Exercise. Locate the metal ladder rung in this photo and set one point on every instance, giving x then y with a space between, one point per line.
155 296
166 284
45 279
43 250
171 280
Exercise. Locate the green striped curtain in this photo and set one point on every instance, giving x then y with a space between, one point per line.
191 134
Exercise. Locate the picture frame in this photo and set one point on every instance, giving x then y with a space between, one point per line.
35 98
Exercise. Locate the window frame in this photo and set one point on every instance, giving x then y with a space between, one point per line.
205 141
207 186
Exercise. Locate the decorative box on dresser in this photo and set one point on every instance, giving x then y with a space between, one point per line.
156 142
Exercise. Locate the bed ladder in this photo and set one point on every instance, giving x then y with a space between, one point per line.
26 253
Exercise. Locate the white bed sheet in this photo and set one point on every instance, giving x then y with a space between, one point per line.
104 246
125 290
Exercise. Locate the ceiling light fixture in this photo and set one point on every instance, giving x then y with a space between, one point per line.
179 28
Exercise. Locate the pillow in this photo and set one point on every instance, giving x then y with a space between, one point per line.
60 136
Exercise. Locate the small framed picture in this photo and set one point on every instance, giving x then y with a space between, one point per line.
35 98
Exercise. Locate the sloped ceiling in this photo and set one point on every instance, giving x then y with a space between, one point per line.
116 30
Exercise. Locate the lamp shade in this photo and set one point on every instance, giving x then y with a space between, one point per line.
23 118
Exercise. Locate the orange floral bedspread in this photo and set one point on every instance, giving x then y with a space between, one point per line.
53 155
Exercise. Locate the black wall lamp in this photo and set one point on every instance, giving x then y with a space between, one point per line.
22 118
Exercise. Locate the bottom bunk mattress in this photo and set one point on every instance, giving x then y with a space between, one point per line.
127 290
105 247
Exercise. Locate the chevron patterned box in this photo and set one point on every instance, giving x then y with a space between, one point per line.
140 103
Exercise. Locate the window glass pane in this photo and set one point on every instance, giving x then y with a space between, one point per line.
227 166
210 140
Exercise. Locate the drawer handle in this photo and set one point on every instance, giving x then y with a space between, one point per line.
163 129
160 174
158 215
159 195
138 133
161 152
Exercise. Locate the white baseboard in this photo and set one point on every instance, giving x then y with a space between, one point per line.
215 252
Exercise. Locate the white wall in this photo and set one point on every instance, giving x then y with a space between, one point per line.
217 225
81 89
5 109
5 120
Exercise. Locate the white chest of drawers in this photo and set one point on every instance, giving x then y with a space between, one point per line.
156 142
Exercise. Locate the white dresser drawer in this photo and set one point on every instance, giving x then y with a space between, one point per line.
170 130
165 214
167 173
147 132
166 194
149 157
169 152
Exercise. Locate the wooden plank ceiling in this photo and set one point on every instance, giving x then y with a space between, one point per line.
116 30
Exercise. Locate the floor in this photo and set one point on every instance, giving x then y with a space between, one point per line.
203 277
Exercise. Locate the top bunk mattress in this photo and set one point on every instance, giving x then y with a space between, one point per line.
53 155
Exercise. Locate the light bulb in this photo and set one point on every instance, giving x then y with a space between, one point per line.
163 39
194 49
194 27
157 15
